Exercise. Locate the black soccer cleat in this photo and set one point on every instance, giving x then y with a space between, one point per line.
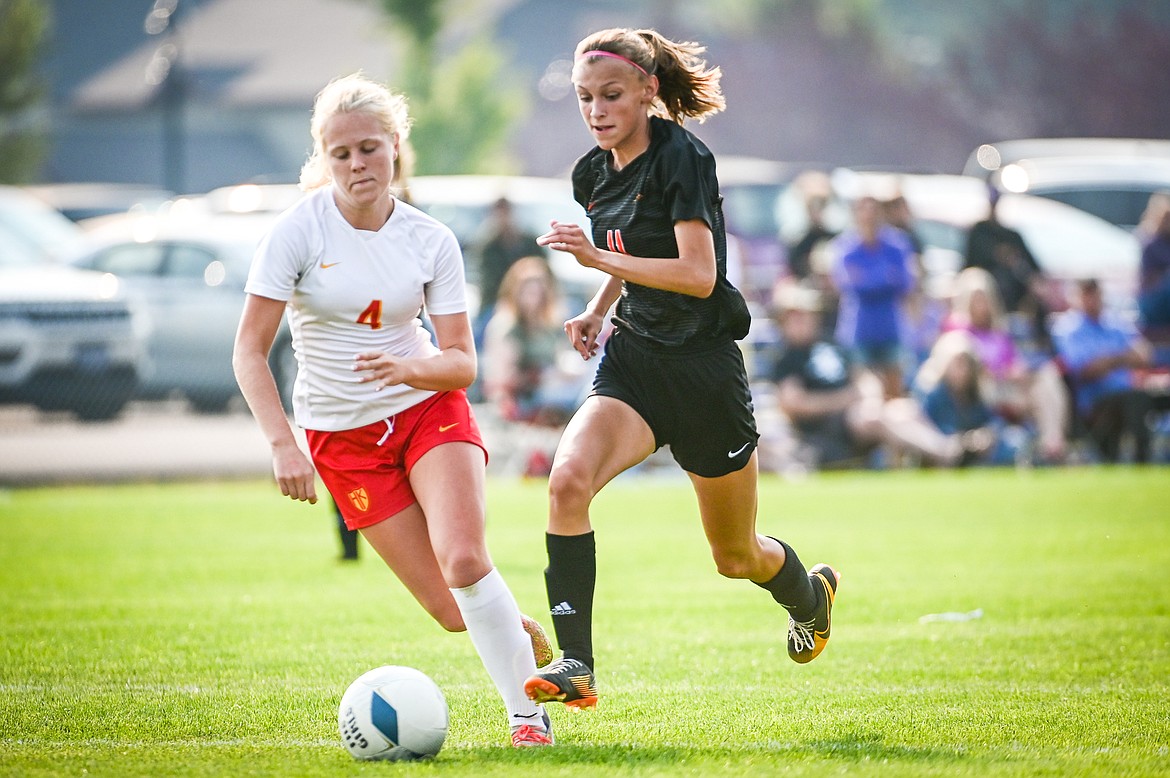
569 681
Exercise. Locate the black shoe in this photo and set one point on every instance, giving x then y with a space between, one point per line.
565 680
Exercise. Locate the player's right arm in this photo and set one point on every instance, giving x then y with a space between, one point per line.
584 328
254 338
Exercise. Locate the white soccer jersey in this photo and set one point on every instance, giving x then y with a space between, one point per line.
352 291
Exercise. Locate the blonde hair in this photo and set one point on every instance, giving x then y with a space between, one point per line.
687 89
967 283
354 93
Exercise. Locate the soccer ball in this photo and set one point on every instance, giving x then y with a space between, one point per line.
394 713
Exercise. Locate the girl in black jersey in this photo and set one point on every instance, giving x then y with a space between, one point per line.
672 373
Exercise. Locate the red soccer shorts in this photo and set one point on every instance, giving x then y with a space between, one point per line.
367 469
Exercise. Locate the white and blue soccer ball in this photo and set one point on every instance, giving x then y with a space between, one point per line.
393 713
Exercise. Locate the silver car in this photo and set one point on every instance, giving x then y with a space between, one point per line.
186 269
68 338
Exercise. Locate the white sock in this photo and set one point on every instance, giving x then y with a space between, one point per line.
493 623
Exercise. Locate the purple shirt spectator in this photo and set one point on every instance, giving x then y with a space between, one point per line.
873 279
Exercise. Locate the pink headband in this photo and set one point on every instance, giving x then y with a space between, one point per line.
600 53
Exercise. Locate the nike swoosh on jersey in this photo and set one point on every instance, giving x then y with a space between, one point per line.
444 428
734 454
327 265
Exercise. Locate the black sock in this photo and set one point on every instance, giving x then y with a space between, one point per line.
570 578
349 537
791 588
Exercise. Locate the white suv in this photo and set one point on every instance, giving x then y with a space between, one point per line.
1112 178
68 339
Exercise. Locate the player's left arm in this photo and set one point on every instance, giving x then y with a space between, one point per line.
693 272
454 367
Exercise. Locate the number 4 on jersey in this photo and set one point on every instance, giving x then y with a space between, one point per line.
372 315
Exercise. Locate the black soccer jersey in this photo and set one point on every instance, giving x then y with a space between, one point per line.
633 211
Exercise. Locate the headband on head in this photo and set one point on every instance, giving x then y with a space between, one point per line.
600 53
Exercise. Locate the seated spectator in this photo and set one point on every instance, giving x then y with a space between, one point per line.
1100 357
952 386
873 276
1035 393
838 410
531 373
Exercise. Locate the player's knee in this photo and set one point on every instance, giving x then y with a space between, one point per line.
463 567
569 489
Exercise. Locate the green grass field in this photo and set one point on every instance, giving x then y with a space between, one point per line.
207 629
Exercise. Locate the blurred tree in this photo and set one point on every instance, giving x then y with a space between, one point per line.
463 124
463 105
827 87
23 26
422 20
1072 67
740 17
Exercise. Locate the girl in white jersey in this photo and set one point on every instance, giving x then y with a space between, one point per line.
384 407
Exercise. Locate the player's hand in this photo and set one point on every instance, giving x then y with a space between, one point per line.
294 473
380 369
571 239
583 331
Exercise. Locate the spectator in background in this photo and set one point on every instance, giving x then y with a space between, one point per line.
502 242
1100 357
1020 392
896 212
837 409
1002 252
1154 289
531 372
806 256
873 276
347 536
924 313
951 385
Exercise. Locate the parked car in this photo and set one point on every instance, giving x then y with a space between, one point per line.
68 337
1068 243
186 269
463 203
1112 178
757 242
32 227
82 201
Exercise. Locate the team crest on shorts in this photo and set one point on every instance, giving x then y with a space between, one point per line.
360 499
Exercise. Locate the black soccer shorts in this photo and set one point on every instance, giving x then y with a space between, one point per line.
697 402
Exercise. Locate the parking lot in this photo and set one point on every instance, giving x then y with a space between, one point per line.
149 441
